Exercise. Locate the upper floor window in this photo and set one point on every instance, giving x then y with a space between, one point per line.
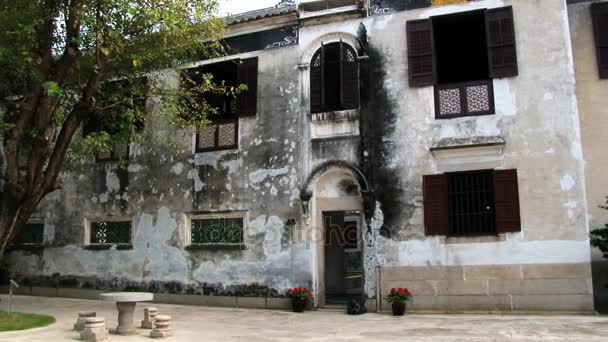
222 132
334 78
460 54
599 14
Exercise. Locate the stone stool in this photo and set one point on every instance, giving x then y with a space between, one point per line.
148 321
162 327
94 329
82 315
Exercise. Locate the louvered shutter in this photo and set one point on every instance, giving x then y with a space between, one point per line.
500 35
247 74
506 201
316 82
349 77
599 14
435 199
364 81
420 53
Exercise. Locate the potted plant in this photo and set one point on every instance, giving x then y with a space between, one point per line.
398 297
299 298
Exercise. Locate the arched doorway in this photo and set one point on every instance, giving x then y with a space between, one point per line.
336 216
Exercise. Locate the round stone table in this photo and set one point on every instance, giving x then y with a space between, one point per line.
125 302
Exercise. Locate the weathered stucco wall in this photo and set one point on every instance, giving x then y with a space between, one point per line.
593 106
389 141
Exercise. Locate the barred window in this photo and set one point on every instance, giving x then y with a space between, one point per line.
31 234
110 232
217 230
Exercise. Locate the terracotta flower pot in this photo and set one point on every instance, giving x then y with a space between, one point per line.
298 305
398 308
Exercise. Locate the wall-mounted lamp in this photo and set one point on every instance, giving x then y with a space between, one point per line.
305 198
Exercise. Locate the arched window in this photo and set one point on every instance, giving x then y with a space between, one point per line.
334 78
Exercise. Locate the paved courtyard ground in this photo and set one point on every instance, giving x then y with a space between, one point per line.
195 323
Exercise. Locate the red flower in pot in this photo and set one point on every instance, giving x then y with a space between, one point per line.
300 297
398 298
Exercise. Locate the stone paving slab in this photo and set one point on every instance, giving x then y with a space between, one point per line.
197 323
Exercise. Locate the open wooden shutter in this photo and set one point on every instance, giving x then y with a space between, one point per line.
435 194
506 201
500 35
349 77
420 53
364 81
247 74
599 14
316 81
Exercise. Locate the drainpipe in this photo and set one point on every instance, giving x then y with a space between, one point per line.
292 223
378 283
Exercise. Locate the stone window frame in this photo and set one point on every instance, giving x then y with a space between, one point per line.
189 217
31 246
103 246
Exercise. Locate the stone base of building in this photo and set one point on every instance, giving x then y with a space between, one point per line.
495 288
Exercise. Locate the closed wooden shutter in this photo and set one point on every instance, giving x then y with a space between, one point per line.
316 82
349 77
435 194
599 13
364 81
500 35
506 201
420 53
248 74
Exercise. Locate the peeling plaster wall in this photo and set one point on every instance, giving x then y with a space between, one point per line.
162 183
536 115
592 101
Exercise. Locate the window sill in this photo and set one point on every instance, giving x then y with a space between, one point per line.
106 246
337 115
216 247
27 247
490 237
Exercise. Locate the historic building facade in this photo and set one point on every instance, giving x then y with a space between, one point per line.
435 145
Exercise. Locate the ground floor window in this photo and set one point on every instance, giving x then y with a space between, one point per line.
106 232
225 229
31 234
220 134
471 203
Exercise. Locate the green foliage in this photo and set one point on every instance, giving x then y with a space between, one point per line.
599 237
144 40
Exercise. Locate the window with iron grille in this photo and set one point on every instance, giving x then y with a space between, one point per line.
110 232
217 230
31 234
459 54
471 203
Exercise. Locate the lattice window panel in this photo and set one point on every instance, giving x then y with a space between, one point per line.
111 232
449 101
226 134
478 98
349 55
206 137
217 231
32 233
317 60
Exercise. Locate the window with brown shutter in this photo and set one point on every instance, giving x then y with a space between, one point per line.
420 53
471 203
334 78
222 132
599 14
248 75
502 55
435 198
506 200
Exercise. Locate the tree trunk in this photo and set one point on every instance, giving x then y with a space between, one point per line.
13 217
